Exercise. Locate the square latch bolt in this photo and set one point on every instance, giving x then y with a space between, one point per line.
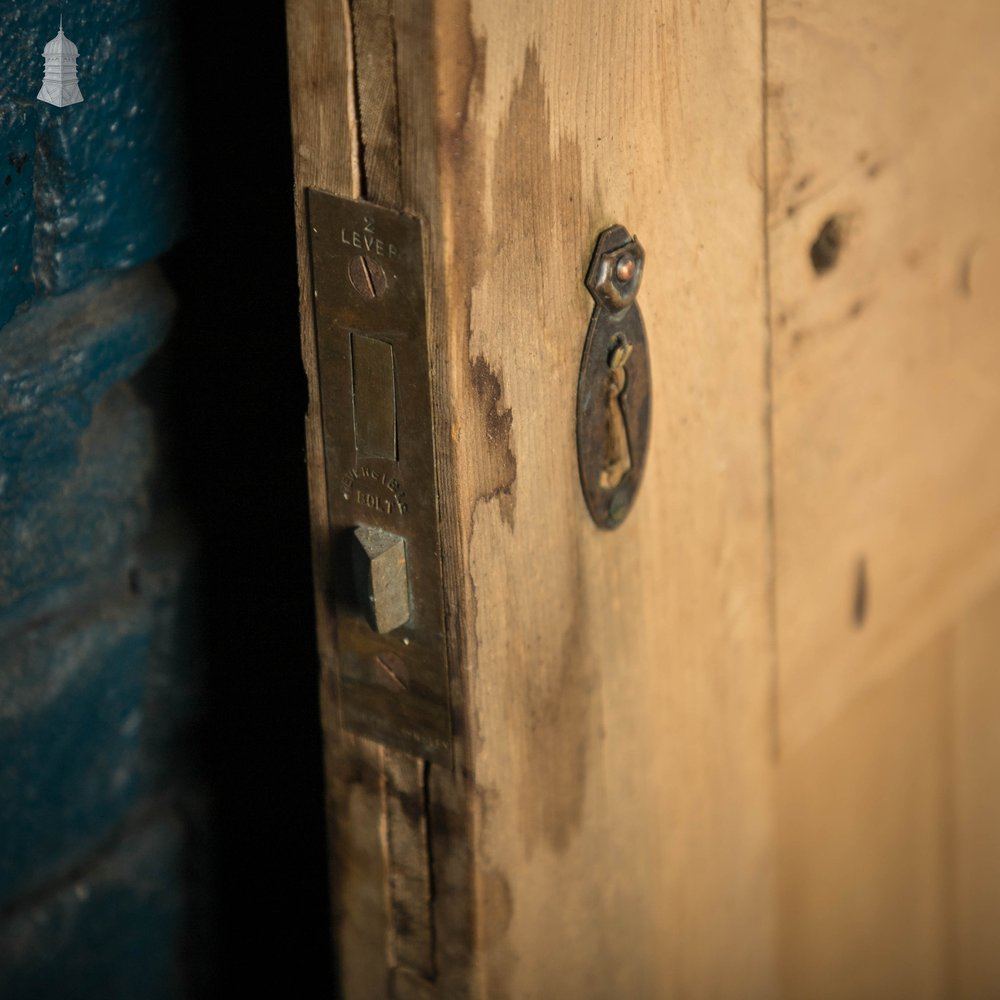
380 573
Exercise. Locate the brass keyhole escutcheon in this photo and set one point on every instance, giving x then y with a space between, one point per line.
613 395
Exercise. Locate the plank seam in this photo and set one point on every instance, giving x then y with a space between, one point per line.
358 143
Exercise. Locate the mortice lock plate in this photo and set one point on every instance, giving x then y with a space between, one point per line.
371 333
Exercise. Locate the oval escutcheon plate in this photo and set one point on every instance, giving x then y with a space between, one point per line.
613 394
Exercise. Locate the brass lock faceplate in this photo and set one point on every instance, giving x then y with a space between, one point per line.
371 332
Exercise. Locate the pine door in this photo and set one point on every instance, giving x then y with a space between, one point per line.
746 744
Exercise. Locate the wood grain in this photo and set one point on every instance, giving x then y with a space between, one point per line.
883 116
619 850
888 818
882 208
976 798
516 160
745 745
865 820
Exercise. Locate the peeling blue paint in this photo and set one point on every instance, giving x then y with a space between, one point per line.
72 690
105 188
17 205
98 679
76 452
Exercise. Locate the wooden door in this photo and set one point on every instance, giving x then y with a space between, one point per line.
748 744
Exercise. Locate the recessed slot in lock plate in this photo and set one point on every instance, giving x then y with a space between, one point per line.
371 333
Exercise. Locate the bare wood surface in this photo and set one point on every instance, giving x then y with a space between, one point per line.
976 798
562 646
683 768
865 820
883 117
889 868
619 850
882 203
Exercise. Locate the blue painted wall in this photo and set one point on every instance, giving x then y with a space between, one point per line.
99 681
98 185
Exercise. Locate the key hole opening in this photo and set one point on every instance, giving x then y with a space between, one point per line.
617 452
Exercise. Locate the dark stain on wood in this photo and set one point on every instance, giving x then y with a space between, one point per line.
496 907
499 469
825 250
489 432
965 272
448 801
542 231
408 863
560 735
859 609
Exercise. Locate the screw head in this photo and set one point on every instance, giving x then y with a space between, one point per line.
367 276
625 268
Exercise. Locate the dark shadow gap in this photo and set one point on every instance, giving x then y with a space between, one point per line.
236 398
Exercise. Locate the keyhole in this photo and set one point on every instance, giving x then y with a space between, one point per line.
617 455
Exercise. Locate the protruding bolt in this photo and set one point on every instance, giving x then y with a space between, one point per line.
381 577
367 276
